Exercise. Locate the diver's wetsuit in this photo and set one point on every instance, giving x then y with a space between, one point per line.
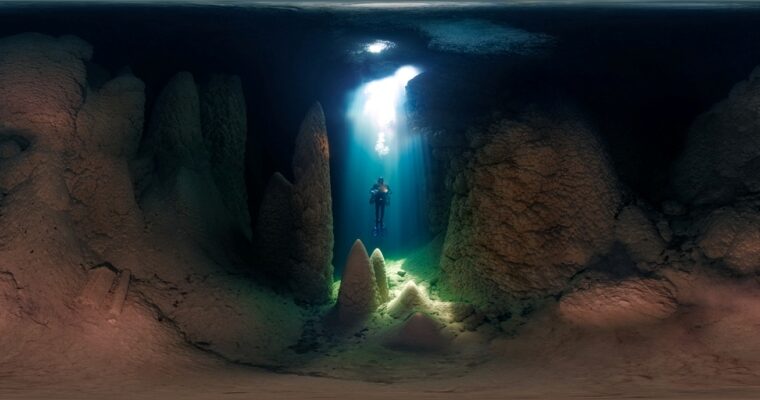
380 196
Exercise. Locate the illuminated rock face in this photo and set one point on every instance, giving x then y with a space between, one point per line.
378 265
722 155
312 199
618 304
357 297
536 201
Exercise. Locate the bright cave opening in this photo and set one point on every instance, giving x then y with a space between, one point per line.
381 145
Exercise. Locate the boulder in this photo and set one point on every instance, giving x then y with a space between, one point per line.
381 280
732 235
357 297
721 159
630 302
539 201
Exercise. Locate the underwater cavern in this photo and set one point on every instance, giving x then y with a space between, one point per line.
369 200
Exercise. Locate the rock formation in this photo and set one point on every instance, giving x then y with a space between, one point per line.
306 209
224 127
639 236
275 234
70 196
410 299
357 297
419 332
381 280
535 203
312 198
722 156
630 302
731 235
77 234
185 182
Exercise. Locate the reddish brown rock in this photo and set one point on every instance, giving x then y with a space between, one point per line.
732 236
538 202
618 304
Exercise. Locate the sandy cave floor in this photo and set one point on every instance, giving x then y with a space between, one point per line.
708 350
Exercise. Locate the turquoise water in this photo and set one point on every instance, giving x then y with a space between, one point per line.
381 144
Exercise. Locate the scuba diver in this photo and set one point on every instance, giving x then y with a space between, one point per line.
380 196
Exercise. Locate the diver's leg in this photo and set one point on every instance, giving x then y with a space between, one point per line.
382 215
378 218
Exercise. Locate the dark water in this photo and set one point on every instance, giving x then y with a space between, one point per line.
640 75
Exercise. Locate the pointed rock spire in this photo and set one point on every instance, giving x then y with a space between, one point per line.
411 298
381 281
312 202
357 297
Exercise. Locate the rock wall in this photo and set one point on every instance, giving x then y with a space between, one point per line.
196 143
534 204
722 156
96 233
225 129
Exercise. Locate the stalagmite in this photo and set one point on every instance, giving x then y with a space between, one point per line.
357 297
381 281
312 201
410 299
